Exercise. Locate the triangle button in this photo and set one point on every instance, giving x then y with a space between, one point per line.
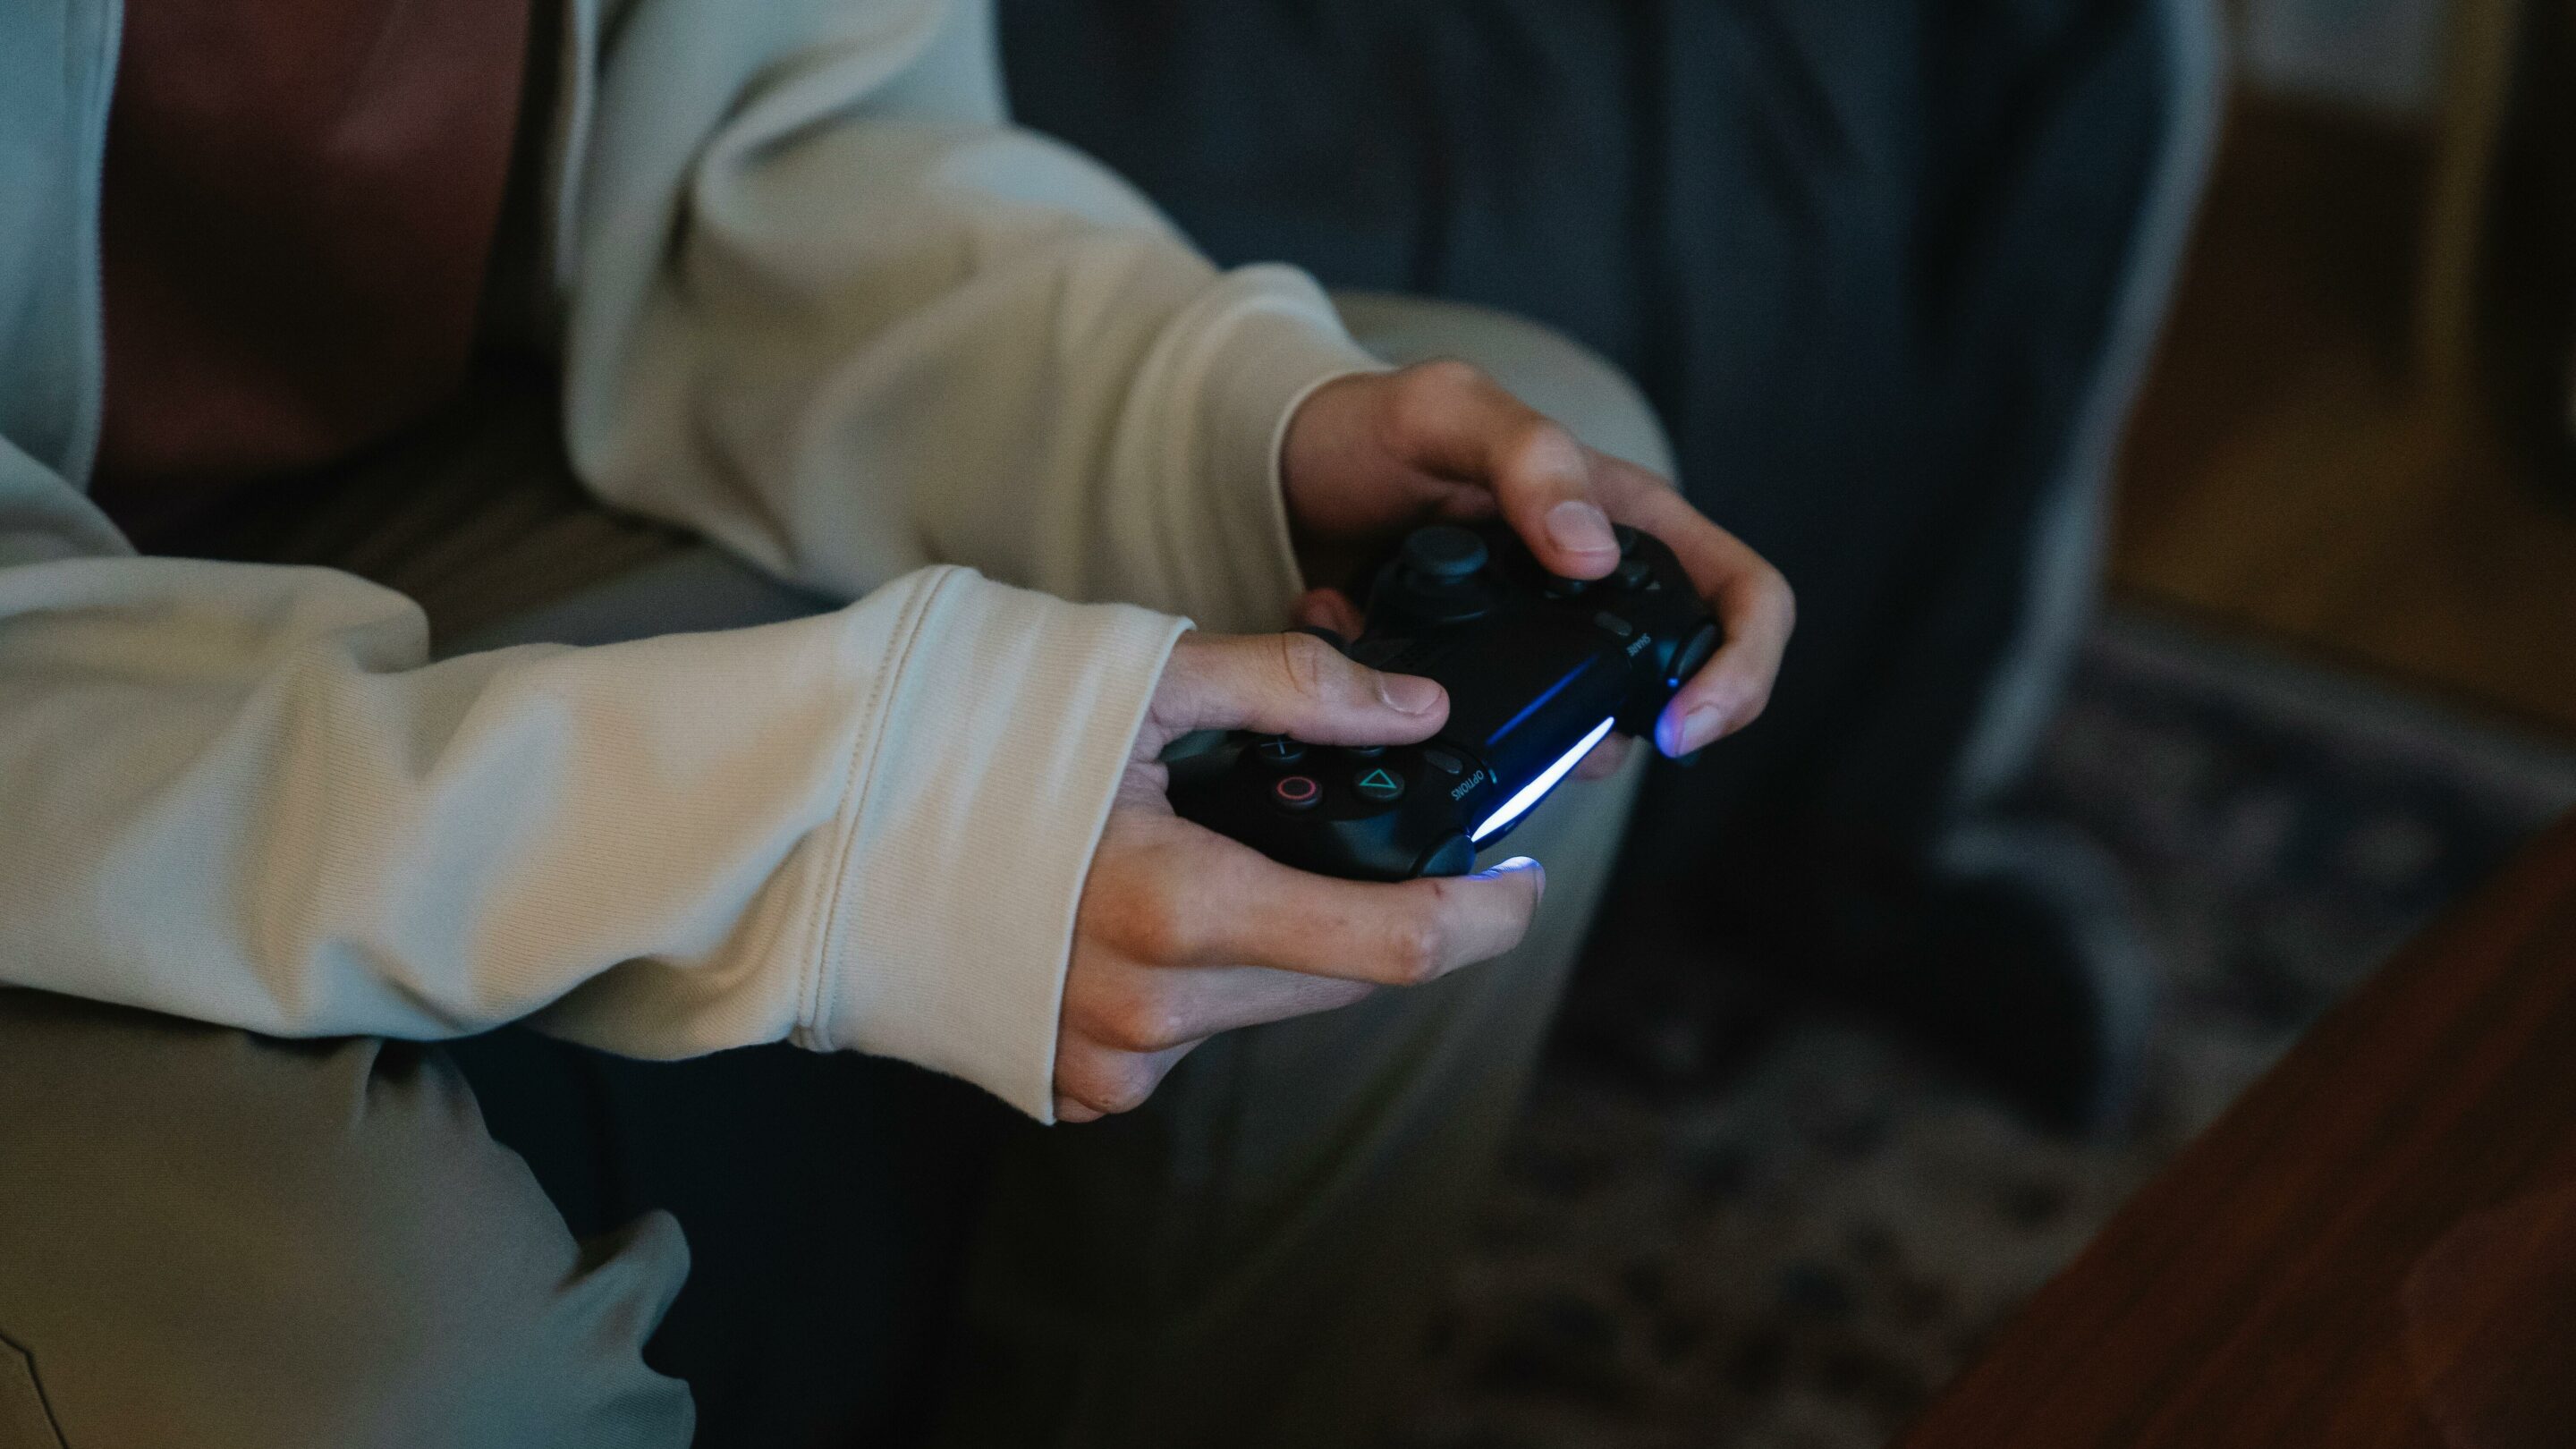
1379 784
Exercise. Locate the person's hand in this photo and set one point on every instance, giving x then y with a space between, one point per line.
1183 933
1369 456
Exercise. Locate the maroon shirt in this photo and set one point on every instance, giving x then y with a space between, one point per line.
298 212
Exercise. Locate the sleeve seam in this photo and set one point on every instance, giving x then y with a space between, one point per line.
814 996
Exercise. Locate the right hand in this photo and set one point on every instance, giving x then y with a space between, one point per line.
1183 933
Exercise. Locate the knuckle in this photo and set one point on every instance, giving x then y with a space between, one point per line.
1126 1086
1543 444
1441 375
1077 1072
1427 391
1416 950
1143 1020
1156 927
1103 1080
1307 664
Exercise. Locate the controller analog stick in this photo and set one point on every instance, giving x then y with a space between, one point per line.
1441 555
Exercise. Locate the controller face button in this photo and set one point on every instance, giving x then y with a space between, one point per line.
1472 608
1379 784
1443 554
1627 538
1452 854
1279 752
1693 653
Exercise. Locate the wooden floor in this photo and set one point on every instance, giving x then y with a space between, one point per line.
2282 478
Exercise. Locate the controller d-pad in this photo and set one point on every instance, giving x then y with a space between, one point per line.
1636 573
1380 784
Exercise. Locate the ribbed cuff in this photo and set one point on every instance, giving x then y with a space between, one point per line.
970 828
1279 342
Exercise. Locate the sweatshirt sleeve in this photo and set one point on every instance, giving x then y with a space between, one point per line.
830 308
239 793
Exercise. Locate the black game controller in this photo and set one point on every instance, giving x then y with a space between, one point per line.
1538 668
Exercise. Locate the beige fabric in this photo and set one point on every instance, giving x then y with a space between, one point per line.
224 1241
823 305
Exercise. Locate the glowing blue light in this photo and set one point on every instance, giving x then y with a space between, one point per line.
1537 789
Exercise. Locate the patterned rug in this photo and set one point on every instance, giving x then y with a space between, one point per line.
1799 1256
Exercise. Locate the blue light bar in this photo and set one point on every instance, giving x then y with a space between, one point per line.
1537 789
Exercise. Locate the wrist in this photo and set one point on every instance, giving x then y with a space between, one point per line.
1275 359
961 844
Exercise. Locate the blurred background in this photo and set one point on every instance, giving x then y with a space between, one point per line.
2333 687
1905 281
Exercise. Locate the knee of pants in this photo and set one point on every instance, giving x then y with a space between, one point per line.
1541 366
221 1240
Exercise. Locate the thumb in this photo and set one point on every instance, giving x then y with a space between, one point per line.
1291 684
1458 422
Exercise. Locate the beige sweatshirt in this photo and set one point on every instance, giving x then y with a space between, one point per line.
822 304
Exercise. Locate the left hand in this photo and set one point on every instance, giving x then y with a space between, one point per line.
1369 456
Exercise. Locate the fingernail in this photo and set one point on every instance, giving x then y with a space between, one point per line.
1579 527
1520 863
1700 728
1410 693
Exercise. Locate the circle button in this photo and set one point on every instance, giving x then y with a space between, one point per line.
1297 792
